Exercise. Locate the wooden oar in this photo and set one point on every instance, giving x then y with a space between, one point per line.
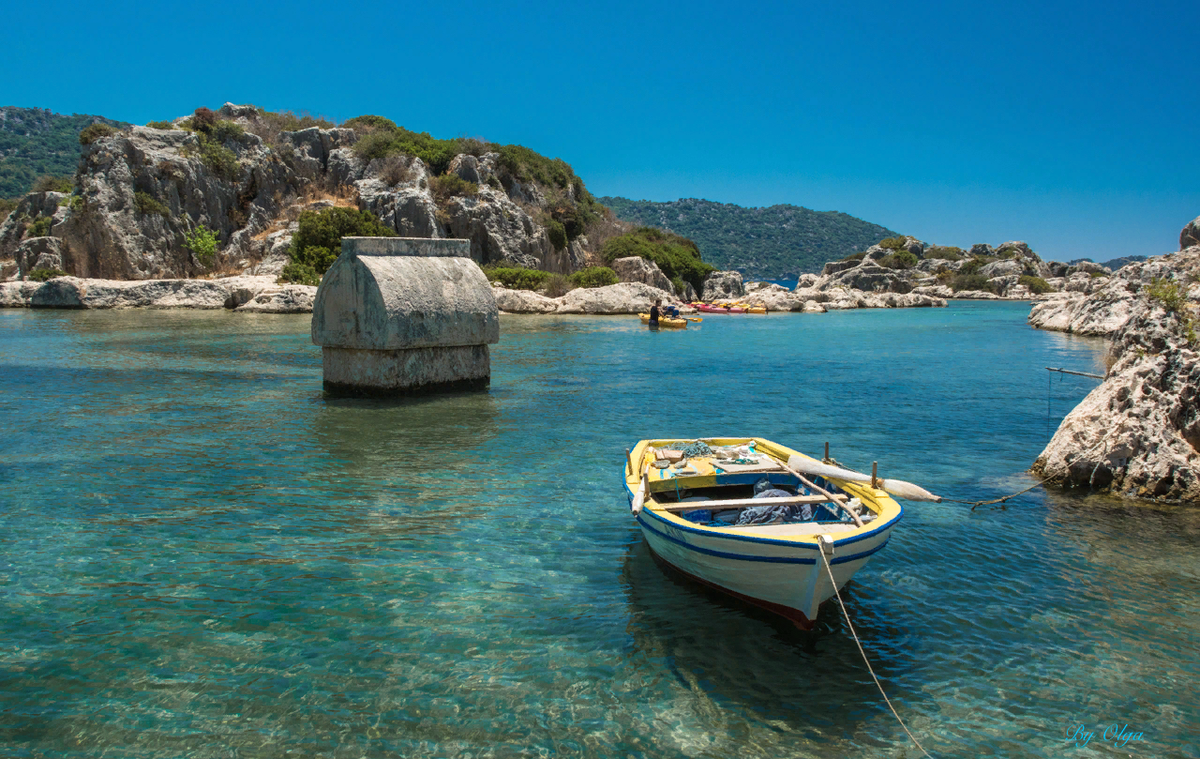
905 490
858 522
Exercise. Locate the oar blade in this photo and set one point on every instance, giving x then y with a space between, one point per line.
899 488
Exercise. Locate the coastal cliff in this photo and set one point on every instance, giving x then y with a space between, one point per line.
1138 433
143 196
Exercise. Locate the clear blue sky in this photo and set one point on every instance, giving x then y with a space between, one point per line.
1072 126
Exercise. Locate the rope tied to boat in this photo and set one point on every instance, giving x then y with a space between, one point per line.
846 614
973 504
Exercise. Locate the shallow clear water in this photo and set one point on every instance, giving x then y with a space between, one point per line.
202 556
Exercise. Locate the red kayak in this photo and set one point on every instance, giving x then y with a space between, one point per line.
712 309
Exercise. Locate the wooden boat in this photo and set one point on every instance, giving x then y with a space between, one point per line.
666 321
689 504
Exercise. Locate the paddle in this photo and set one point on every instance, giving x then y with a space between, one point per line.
905 490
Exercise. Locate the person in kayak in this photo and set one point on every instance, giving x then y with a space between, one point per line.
655 313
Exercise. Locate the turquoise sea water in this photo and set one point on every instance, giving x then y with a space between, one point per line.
202 556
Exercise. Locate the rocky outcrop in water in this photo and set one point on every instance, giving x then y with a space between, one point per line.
246 293
723 285
1138 433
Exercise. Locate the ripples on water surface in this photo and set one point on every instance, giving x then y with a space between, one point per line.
202 556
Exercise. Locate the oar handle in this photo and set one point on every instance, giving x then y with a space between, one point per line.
858 522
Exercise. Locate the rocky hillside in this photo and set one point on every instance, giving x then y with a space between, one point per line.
35 142
779 242
223 192
1138 433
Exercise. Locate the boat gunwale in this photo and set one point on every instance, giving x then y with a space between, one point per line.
806 541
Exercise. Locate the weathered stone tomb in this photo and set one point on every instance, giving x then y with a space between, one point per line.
400 316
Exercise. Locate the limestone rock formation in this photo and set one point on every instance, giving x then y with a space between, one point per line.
523 301
621 298
1138 433
637 269
73 292
723 285
1190 235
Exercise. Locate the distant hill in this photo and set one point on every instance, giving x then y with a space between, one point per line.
779 242
36 142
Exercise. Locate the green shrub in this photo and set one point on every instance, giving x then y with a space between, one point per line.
7 206
40 227
557 286
301 274
571 218
75 202
856 256
147 204
901 259
94 132
370 122
947 252
202 241
516 278
679 285
972 266
1169 294
894 243
160 125
227 130
1036 285
676 256
436 154
318 241
448 185
970 282
220 160
557 234
42 275
53 184
594 276
527 165
1098 274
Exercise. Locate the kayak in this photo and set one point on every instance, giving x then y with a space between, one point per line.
665 321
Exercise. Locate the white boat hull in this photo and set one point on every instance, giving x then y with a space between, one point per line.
782 576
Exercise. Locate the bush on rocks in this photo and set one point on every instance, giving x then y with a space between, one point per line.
1036 285
557 286
145 204
94 132
676 256
448 185
594 276
970 282
901 259
53 184
516 277
43 275
318 241
300 274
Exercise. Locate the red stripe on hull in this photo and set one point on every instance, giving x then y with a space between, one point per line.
795 616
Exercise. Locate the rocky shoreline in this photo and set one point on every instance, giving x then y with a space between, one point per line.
1138 433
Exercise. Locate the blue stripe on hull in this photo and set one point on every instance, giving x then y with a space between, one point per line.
768 559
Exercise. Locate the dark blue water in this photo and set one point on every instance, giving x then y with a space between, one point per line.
202 556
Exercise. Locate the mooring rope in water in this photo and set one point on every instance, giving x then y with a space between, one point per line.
972 504
846 614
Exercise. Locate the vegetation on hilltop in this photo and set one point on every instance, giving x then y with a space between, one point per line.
35 142
677 256
763 243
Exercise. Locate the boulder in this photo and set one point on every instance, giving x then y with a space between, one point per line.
1088 267
805 281
1190 235
723 285
17 294
621 298
1002 269
289 299
35 205
523 301
982 250
870 277
638 269
39 253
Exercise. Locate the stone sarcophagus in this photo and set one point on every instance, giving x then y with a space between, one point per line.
400 316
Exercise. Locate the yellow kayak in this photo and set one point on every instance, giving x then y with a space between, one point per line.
665 321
